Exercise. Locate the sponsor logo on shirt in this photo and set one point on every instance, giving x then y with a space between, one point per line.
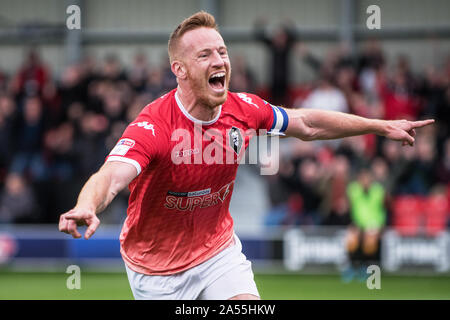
247 99
188 201
145 125
186 153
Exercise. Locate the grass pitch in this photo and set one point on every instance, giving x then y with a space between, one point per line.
108 286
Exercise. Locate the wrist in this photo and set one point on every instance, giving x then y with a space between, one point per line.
86 208
379 127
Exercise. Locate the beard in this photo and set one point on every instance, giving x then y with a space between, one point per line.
203 92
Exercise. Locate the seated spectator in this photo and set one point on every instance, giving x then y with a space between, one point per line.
326 96
28 158
336 202
368 215
17 202
31 77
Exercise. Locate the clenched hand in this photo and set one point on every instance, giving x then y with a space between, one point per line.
69 221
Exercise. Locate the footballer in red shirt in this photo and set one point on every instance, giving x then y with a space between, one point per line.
180 157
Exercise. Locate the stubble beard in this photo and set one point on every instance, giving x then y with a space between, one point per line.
201 90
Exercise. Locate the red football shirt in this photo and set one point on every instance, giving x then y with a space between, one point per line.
178 213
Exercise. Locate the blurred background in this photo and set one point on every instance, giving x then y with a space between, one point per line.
311 230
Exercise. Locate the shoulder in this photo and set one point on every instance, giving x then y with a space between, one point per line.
158 107
151 128
246 100
154 116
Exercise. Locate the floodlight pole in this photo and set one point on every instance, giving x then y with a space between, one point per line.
73 38
347 24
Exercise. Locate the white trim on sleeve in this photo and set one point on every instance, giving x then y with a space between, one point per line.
126 160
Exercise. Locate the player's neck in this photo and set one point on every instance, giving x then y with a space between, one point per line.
194 107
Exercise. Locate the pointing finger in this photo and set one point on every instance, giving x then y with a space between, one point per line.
423 123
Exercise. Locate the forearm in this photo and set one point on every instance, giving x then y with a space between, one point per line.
96 194
311 124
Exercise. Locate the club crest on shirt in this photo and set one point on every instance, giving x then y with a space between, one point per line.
236 139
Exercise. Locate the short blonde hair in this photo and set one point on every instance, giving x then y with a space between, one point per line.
197 20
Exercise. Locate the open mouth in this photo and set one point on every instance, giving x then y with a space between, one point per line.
217 81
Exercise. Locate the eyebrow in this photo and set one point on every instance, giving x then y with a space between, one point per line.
209 50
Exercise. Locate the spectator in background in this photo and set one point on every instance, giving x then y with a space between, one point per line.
396 163
17 201
280 45
56 191
336 205
243 79
280 188
71 88
418 175
443 166
368 215
436 96
112 69
28 159
89 144
309 192
113 103
58 146
398 94
8 118
370 64
138 73
155 86
31 77
168 79
326 96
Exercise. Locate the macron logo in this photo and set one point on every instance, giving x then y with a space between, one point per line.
145 125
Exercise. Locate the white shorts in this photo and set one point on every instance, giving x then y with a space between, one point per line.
222 277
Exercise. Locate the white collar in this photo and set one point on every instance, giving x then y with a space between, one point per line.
193 119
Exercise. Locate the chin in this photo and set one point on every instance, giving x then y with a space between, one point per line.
214 99
218 100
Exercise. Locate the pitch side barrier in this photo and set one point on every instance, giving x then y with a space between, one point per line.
307 249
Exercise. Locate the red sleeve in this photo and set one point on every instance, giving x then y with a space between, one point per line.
139 144
266 116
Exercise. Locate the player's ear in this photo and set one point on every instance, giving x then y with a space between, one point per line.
178 69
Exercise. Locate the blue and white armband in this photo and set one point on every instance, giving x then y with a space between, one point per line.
280 121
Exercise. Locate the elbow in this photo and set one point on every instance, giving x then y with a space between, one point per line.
301 127
309 134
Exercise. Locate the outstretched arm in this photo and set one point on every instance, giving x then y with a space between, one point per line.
311 124
95 196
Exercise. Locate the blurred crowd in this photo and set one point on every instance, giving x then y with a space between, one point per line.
56 131
358 181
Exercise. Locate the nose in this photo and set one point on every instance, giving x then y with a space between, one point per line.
217 60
